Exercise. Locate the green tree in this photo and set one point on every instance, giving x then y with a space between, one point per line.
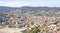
34 30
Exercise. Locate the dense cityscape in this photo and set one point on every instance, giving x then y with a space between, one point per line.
29 19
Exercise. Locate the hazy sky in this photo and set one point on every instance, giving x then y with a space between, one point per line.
19 3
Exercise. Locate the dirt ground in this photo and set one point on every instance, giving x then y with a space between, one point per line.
11 30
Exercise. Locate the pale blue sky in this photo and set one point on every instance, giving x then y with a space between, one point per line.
19 3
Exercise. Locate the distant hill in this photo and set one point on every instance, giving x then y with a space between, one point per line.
28 9
6 9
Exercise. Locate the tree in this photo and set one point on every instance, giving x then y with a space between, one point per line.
34 30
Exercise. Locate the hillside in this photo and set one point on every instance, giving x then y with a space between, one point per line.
29 9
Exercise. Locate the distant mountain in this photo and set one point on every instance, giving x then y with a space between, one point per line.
28 9
6 9
40 8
